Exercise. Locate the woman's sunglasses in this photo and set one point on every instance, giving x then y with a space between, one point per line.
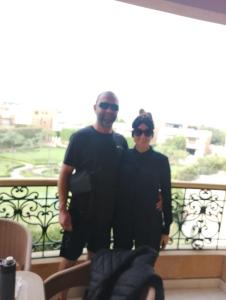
106 105
139 132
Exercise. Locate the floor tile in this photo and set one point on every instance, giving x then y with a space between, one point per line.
195 294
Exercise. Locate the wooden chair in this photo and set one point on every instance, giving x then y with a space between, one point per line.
76 276
16 241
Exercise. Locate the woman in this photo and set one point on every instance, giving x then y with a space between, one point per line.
144 172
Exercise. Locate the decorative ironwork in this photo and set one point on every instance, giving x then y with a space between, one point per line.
197 219
198 214
37 208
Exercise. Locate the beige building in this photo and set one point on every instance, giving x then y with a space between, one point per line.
197 140
7 114
42 118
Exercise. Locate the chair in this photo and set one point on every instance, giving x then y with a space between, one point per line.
76 276
16 241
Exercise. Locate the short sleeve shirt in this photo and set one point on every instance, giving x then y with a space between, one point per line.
99 154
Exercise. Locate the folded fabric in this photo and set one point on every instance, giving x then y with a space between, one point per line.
123 275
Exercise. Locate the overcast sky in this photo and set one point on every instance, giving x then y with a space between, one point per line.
64 53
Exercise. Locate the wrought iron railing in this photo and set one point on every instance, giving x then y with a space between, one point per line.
35 204
199 217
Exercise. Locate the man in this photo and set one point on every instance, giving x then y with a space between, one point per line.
97 150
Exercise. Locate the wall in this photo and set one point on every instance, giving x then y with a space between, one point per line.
170 265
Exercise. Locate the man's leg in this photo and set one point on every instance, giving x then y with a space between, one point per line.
64 264
71 248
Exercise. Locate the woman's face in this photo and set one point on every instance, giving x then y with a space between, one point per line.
142 137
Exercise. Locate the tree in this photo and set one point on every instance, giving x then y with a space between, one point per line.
176 142
174 148
28 132
218 136
211 164
130 142
66 133
25 137
186 173
12 139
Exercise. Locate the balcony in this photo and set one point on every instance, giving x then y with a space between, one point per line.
197 248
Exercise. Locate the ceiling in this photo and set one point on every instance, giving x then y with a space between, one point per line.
207 10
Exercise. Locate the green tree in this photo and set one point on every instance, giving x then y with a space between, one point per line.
120 120
66 133
218 136
11 139
29 132
130 142
186 173
174 148
211 164
176 142
24 137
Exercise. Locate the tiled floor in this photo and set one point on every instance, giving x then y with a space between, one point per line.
195 294
191 294
208 289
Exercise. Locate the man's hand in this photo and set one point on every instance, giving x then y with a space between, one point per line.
65 220
164 241
63 183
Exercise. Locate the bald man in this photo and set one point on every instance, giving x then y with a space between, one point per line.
95 149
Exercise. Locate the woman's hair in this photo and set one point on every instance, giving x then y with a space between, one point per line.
144 118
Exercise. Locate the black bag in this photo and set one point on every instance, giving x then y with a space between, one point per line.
80 183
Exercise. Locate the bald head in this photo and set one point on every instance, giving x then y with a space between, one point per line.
106 109
107 95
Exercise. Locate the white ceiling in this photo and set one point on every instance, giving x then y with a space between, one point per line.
208 10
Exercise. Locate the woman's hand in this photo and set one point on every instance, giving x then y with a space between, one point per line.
164 241
159 203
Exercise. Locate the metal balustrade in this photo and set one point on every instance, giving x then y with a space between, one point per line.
199 217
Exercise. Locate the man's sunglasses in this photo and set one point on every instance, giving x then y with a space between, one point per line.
139 132
106 105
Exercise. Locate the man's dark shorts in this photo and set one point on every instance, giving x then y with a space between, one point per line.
85 234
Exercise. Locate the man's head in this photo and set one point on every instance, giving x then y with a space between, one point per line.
106 109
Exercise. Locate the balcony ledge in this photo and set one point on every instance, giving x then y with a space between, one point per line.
171 265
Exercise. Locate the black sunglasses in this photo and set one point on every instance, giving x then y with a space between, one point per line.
106 105
139 132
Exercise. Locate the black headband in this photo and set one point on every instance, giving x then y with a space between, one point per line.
144 119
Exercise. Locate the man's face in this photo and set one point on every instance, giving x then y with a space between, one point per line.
106 110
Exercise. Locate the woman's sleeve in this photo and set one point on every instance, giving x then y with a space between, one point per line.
166 194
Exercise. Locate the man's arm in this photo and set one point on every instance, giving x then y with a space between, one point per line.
63 184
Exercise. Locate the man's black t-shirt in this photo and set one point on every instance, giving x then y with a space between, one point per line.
99 154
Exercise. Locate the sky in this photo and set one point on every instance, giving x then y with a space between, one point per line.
61 54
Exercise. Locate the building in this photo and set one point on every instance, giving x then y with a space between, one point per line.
43 118
7 114
197 140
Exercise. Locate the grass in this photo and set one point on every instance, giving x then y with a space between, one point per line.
36 156
52 170
50 157
7 166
